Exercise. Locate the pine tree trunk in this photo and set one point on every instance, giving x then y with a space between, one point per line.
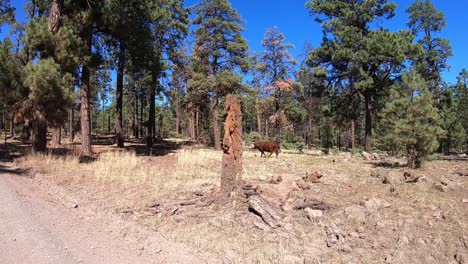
177 116
231 174
53 23
368 125
56 136
85 98
197 123
119 98
12 127
267 134
39 133
259 116
71 130
151 116
108 124
216 132
191 122
161 122
142 107
353 135
412 158
135 118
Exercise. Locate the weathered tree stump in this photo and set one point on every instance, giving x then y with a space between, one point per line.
231 174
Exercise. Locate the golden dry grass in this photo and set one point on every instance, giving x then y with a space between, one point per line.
121 179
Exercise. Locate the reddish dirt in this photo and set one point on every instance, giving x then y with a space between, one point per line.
39 224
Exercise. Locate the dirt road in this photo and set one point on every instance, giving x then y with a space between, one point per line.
36 227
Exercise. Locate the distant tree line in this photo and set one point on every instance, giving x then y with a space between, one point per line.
128 68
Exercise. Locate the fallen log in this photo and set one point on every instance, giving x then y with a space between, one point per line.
270 215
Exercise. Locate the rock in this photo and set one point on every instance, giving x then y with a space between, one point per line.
403 240
312 214
356 212
276 179
375 156
460 258
375 204
314 177
366 156
462 155
410 178
465 201
346 249
333 234
277 193
303 185
439 187
393 178
354 234
287 208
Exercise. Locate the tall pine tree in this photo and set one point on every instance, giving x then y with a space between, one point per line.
219 40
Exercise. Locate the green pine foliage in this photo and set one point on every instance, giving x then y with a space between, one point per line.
410 121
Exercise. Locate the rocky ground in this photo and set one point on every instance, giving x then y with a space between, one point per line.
298 208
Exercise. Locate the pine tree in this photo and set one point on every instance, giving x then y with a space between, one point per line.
461 98
219 41
425 22
6 12
410 119
355 55
46 102
451 123
278 66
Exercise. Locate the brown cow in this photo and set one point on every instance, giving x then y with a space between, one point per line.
271 147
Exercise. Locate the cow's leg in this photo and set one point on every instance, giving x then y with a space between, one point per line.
271 153
262 154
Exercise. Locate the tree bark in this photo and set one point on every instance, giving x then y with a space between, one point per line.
53 24
191 122
152 115
231 174
142 107
368 125
216 132
197 122
85 96
353 135
135 117
119 97
259 115
12 127
39 133
108 124
412 158
71 129
177 115
56 136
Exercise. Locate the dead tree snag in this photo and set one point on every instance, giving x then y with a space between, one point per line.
231 173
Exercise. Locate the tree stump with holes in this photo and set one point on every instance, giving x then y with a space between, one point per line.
231 174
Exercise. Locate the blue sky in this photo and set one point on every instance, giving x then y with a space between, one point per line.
293 19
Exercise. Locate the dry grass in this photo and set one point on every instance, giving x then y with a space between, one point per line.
121 179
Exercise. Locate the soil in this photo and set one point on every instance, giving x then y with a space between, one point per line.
373 211
40 223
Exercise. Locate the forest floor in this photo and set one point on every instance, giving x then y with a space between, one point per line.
368 212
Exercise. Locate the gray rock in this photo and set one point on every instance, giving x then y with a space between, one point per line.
312 214
439 187
356 212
